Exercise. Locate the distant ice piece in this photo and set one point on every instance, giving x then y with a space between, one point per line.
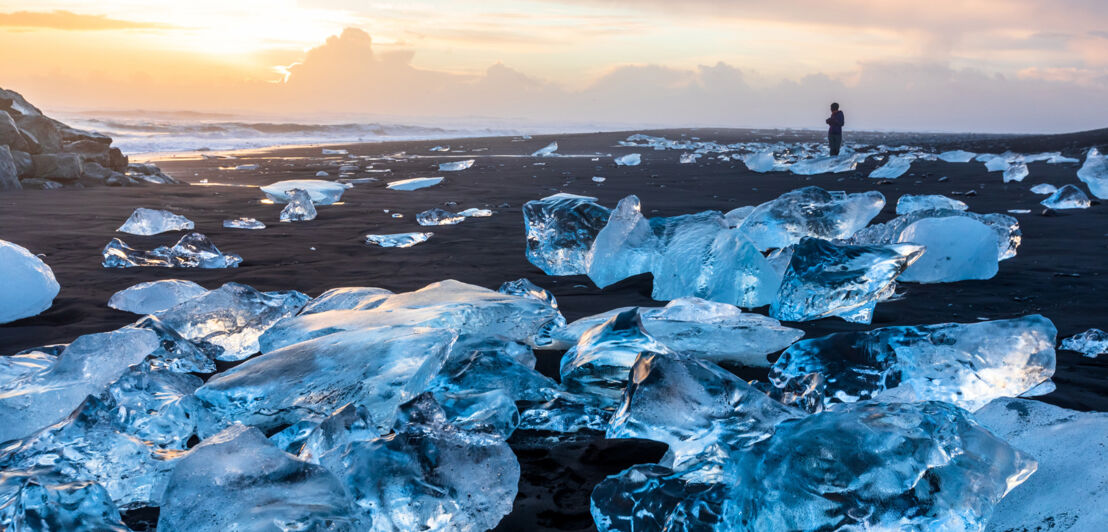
299 208
322 192
147 222
761 162
825 165
327 151
956 248
1016 172
439 216
560 231
1067 197
194 250
996 163
598 179
41 499
398 240
809 212
550 150
27 285
439 148
474 212
415 183
456 166
896 166
910 202
1094 173
1091 343
1006 227
825 279
963 364
155 296
1044 188
689 158
631 159
957 156
243 223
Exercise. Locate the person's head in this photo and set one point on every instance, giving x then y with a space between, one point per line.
834 107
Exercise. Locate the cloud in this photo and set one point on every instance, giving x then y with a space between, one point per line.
66 20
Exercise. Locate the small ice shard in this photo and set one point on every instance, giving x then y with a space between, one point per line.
560 231
910 202
896 166
398 240
825 165
624 247
957 156
347 298
147 222
41 499
322 192
1067 197
997 164
1094 173
439 148
238 480
322 173
243 223
1006 227
415 183
456 166
1070 447
245 167
598 179
27 285
825 279
1090 343
548 151
155 296
228 321
194 250
327 151
299 208
810 212
1016 172
599 364
439 216
761 162
1044 188
689 158
963 364
956 248
474 212
1019 211
631 159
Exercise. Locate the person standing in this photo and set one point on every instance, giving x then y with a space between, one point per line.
835 129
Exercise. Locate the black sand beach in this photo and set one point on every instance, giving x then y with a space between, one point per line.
1060 270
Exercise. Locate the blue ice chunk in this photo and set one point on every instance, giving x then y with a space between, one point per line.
155 296
560 231
810 212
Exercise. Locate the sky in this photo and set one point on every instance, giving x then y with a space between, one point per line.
940 65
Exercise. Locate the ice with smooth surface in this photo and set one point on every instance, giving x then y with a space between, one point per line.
550 150
1044 188
811 212
525 288
911 202
561 230
957 156
963 364
825 165
1016 172
456 166
1067 197
894 167
956 249
40 499
761 162
299 208
194 250
599 364
1094 173
826 279
147 222
631 159
439 216
718 332
474 212
1006 227
27 284
1091 343
997 163
243 223
689 158
238 480
322 192
624 247
415 183
347 298
398 240
155 296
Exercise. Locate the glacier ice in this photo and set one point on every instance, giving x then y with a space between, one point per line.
175 353
474 212
957 156
825 165
153 221
238 480
243 222
826 279
321 191
194 250
1044 188
761 162
1006 227
415 183
1067 197
924 202
398 240
956 249
624 247
963 364
525 288
439 216
347 298
896 166
655 497
718 332
600 362
631 159
810 211
689 158
560 231
997 163
550 150
40 499
456 166
1091 343
299 208
27 284
155 296
1094 173
1016 172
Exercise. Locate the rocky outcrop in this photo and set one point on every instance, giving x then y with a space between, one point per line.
37 151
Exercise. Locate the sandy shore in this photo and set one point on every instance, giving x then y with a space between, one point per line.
1058 271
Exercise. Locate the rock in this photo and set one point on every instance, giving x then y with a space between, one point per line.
116 160
41 132
58 166
9 133
40 184
24 166
89 151
96 171
9 174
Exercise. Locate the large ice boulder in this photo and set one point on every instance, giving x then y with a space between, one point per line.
560 230
322 192
810 212
27 285
956 249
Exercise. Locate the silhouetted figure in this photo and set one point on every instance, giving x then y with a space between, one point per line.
835 131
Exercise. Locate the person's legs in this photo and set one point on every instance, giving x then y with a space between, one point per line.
836 142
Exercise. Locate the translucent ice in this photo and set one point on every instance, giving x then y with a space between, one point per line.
398 240
474 212
27 285
761 162
956 249
825 279
599 364
896 166
626 246
631 159
1044 188
957 156
155 296
456 166
243 223
237 480
299 208
689 158
1094 173
810 211
40 499
548 151
560 230
439 216
910 202
655 497
963 364
1090 343
825 165
1016 172
153 221
321 191
194 250
1006 227
1067 197
997 163
525 288
347 298
415 183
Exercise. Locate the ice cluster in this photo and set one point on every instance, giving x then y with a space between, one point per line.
194 250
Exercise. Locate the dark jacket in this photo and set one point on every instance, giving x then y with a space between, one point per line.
837 121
